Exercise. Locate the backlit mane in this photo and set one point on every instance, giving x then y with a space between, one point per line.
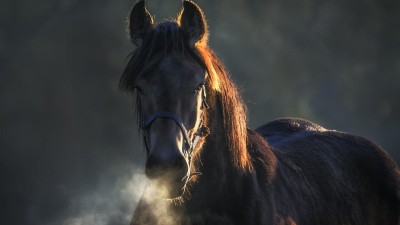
168 37
233 109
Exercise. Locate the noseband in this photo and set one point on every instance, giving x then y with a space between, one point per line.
190 143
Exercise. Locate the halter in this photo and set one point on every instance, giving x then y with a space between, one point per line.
190 143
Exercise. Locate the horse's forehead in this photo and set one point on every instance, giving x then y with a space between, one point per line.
179 70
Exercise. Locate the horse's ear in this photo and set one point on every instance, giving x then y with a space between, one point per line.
193 23
140 23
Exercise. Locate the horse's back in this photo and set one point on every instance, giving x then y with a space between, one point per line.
280 129
350 173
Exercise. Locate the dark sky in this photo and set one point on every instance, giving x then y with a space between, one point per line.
70 152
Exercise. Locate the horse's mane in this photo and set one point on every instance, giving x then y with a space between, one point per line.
167 38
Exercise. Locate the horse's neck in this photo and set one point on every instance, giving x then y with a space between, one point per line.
222 185
219 171
209 193
216 158
217 168
217 162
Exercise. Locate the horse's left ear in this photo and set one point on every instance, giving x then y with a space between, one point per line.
193 23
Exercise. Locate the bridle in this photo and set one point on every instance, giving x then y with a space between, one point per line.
189 143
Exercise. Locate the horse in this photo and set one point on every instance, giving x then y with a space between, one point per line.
204 166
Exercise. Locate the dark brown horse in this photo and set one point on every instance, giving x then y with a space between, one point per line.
205 167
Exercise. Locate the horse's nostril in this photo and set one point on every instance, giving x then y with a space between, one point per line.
158 165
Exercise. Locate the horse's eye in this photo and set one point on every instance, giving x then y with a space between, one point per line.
138 90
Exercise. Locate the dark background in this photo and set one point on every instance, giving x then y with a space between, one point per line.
70 153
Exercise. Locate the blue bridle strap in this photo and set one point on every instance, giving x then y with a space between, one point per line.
172 116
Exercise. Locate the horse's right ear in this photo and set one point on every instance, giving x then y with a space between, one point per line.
193 23
140 23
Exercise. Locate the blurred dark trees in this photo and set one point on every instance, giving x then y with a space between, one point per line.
66 131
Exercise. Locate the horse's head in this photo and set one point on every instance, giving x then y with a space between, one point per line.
169 79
